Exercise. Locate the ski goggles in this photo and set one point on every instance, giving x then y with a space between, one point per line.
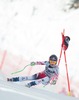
52 62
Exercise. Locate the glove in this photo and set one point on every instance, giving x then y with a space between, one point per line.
53 82
32 63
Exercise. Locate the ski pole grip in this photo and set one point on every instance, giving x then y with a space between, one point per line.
32 63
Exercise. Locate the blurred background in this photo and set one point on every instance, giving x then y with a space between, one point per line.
30 30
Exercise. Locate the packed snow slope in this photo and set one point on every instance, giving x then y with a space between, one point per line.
13 91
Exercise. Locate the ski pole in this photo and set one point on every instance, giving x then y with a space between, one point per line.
20 70
31 64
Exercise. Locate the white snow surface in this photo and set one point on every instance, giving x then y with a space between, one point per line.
13 91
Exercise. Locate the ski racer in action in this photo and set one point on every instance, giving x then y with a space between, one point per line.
49 75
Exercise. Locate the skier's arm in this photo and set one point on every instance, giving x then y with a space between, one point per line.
38 63
54 78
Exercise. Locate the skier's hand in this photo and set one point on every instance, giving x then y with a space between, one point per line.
53 82
32 63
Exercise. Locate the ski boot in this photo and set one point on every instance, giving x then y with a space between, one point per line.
13 79
30 84
8 79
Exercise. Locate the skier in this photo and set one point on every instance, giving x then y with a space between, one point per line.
50 74
65 42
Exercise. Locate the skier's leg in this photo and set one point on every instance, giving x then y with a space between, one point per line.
14 79
23 78
44 81
33 77
33 83
30 84
41 75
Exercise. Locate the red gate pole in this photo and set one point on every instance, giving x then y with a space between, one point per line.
60 56
67 74
2 62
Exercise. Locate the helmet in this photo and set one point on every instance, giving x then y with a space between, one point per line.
53 58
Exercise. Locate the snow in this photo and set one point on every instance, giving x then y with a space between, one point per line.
13 91
31 29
